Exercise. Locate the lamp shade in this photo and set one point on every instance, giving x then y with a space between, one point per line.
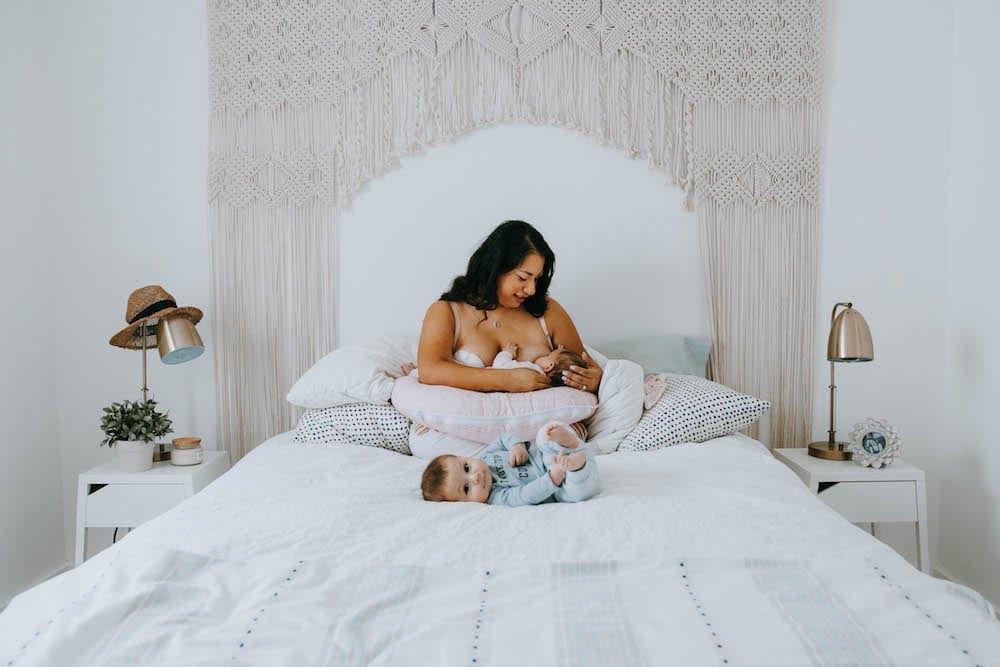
178 340
850 338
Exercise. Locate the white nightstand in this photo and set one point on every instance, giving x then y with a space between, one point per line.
109 498
867 495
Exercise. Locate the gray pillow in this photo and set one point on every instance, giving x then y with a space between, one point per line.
692 409
662 353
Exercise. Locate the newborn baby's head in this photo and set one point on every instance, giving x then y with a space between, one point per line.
555 362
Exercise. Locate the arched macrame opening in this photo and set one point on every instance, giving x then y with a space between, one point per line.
312 100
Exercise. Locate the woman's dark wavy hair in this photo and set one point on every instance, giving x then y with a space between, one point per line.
502 251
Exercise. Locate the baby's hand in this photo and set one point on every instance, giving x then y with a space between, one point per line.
511 349
518 454
557 474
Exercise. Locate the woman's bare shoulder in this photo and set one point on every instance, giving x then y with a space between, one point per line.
441 308
554 310
438 320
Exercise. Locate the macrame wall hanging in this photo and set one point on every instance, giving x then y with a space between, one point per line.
312 98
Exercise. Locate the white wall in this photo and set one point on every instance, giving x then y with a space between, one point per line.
31 509
129 200
967 456
132 97
909 232
884 222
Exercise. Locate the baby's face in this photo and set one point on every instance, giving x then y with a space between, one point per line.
547 361
467 480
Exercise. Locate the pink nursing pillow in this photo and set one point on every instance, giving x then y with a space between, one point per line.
481 417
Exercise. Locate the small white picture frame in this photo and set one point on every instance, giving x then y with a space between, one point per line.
874 443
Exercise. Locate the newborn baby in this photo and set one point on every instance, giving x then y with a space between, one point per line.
553 364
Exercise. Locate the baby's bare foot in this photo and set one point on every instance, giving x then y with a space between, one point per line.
561 435
576 461
511 349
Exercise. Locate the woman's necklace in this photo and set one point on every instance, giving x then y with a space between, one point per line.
496 322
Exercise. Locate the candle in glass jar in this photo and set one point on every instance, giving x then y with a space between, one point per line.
187 451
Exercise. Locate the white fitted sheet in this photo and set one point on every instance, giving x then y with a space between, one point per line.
325 554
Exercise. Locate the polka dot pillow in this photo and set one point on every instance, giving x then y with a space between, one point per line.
367 424
692 409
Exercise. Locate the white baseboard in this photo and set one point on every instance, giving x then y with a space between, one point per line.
65 567
942 574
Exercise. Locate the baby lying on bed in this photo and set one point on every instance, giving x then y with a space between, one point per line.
557 467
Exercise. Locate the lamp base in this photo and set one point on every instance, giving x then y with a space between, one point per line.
824 450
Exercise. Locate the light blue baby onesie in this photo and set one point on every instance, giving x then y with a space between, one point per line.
530 484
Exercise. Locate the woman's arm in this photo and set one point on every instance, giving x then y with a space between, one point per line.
434 359
564 333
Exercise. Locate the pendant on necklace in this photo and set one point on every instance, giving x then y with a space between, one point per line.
497 324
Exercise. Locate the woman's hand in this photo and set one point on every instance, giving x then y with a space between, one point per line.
587 379
526 379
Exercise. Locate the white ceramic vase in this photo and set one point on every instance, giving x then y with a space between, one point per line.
134 456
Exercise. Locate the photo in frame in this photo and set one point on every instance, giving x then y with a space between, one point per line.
874 443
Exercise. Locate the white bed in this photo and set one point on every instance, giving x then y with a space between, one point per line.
316 554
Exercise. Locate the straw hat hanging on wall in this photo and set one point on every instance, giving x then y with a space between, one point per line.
147 306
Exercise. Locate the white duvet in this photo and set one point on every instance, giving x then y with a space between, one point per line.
325 555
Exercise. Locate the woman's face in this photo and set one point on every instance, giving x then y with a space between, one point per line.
514 287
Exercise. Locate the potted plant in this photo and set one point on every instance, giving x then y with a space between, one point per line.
132 428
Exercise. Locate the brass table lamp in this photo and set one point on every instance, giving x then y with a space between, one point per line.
850 340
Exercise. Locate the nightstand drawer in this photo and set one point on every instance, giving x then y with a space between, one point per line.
131 504
873 502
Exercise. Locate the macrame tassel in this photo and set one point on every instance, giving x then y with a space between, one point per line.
759 229
761 285
274 308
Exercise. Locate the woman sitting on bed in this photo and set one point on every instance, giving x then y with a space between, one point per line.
501 299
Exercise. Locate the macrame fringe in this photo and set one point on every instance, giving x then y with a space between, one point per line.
761 286
273 276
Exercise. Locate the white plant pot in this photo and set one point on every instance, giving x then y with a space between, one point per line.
134 456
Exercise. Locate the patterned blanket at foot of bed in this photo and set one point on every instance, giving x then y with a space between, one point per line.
180 608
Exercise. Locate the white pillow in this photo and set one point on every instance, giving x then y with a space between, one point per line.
693 409
481 416
356 424
362 372
619 407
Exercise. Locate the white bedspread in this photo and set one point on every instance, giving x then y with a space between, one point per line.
311 554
